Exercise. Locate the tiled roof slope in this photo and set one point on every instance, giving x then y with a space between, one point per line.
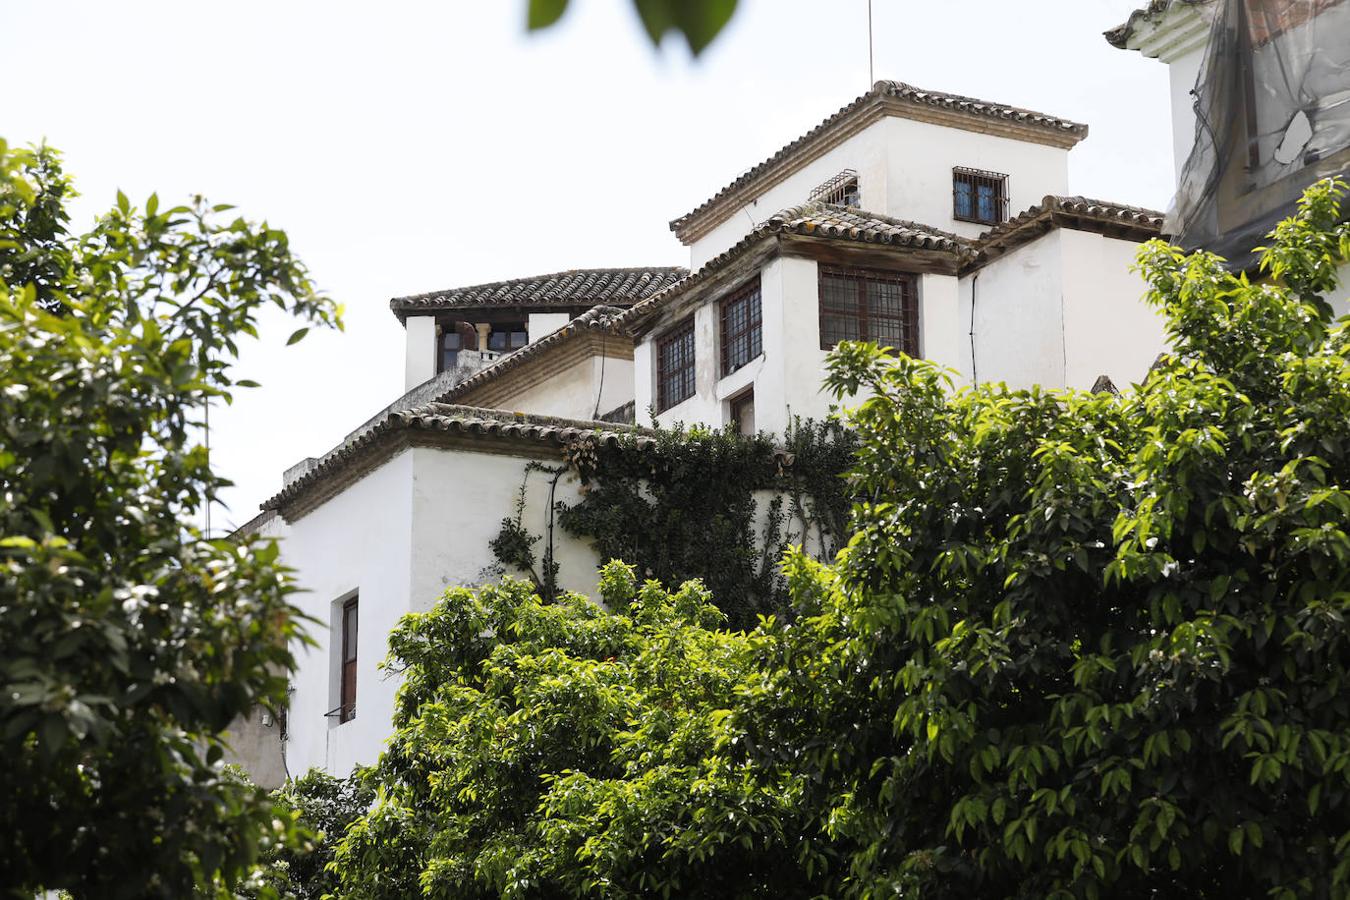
443 424
848 224
1055 130
1120 35
821 220
361 450
575 287
1083 213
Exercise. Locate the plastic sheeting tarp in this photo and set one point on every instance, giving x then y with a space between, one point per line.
1272 108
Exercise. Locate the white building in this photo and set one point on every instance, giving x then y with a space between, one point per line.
937 224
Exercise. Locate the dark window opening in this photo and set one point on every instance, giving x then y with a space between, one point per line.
979 196
347 700
742 327
675 366
867 305
743 413
507 337
841 190
451 343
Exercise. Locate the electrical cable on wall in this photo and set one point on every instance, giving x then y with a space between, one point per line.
600 391
974 376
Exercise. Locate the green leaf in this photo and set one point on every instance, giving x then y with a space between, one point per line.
297 336
543 13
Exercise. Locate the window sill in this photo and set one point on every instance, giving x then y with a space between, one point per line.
735 381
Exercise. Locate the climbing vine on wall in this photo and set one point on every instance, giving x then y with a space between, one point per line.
694 503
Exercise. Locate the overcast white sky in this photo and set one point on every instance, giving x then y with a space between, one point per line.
410 146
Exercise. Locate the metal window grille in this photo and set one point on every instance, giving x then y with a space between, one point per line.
347 701
868 305
979 196
742 327
675 366
841 190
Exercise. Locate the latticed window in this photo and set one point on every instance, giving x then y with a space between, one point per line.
979 196
742 329
868 305
675 366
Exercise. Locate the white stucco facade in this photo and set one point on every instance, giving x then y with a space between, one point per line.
396 539
904 170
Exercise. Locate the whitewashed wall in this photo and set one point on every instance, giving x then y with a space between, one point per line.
1108 328
1018 324
577 391
865 152
789 375
360 541
905 171
919 181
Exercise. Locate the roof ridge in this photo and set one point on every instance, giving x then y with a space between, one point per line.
1068 132
525 279
802 209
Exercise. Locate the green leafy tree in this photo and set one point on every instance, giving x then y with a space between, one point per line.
131 641
1088 646
556 749
698 21
1078 646
323 806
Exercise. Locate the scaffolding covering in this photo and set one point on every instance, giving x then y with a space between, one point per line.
1272 112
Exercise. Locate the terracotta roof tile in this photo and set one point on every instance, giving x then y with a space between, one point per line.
1056 130
1120 35
441 424
819 220
1083 213
361 451
575 287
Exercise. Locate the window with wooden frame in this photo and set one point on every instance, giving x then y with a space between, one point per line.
979 196
347 690
869 305
742 408
741 319
675 366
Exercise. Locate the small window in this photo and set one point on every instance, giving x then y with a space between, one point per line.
867 305
979 196
347 699
506 338
675 366
451 343
841 190
742 327
743 413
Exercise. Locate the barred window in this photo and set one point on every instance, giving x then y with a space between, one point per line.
742 331
867 305
675 366
979 196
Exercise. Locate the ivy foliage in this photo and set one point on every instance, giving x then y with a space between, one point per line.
695 503
130 641
1078 646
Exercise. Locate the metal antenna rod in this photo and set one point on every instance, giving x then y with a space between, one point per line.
871 76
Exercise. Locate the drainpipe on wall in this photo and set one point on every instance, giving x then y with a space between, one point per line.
974 376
